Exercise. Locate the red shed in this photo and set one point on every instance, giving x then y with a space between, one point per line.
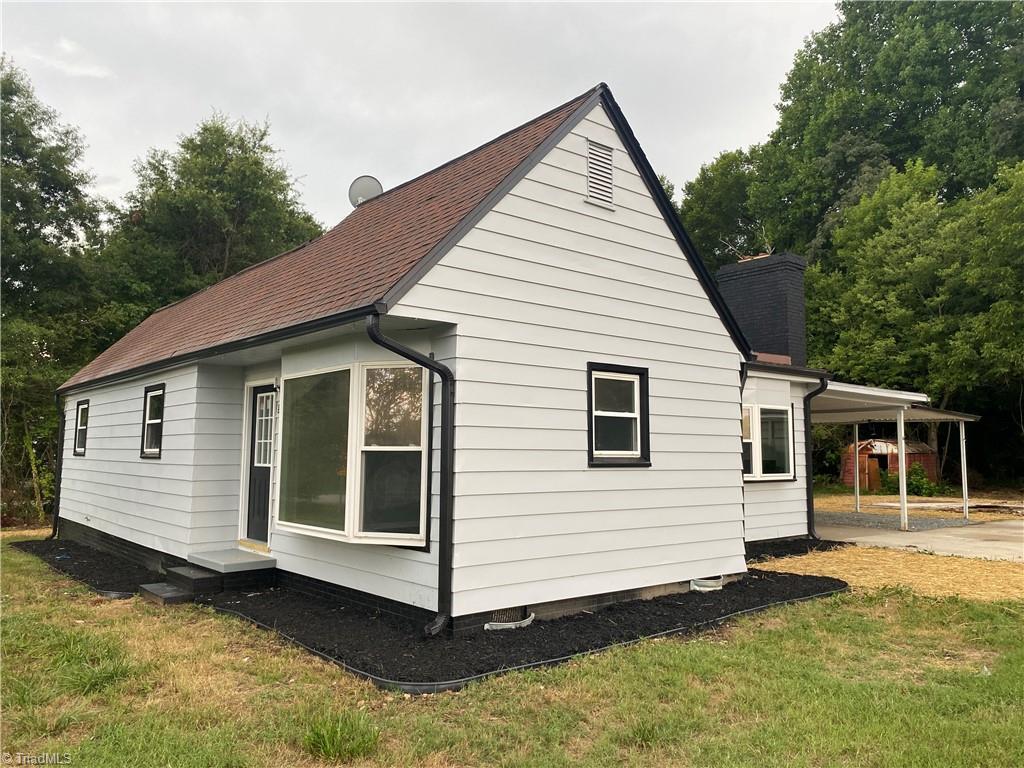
881 452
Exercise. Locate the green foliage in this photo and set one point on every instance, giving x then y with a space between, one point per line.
78 274
47 219
896 168
716 213
341 736
918 483
218 203
888 83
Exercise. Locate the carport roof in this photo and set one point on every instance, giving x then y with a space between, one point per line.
843 403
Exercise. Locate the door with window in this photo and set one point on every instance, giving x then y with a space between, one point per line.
261 454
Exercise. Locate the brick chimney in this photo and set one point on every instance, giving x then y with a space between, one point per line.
766 296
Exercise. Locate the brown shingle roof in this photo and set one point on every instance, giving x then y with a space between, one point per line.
350 267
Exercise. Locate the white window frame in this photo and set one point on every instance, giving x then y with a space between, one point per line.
635 414
749 410
265 443
353 476
153 453
755 439
80 429
361 448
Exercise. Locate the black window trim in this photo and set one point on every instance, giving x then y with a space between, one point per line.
78 415
644 459
145 401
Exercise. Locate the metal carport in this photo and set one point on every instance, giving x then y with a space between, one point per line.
842 403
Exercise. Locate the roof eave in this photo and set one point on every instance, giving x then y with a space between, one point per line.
278 334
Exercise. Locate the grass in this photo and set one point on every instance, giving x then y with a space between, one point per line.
875 677
341 736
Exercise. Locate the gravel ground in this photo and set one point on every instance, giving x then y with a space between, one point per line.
874 520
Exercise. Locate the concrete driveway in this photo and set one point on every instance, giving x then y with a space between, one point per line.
1003 540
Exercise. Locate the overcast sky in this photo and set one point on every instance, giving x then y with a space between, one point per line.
394 90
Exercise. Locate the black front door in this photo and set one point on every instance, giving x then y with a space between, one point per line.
261 454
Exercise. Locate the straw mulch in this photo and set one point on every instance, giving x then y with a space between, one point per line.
933 575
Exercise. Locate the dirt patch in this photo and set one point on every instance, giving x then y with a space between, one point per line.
103 572
926 574
394 649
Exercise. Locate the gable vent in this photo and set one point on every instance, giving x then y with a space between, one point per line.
599 173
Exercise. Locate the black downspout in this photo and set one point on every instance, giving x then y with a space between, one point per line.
808 448
447 470
59 465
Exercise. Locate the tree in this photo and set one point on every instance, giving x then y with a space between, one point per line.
714 211
218 203
933 300
45 212
47 221
888 83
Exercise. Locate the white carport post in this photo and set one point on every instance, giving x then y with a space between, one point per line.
856 467
963 466
902 448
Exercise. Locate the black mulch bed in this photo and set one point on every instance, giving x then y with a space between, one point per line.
393 649
759 551
107 574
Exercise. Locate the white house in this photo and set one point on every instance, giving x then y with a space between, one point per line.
507 384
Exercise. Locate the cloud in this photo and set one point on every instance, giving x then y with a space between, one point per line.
396 89
68 59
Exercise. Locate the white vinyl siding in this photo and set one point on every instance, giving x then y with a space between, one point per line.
777 508
185 502
542 285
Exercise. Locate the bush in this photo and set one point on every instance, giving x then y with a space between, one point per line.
341 736
918 483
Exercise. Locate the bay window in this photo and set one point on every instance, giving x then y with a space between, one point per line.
314 450
767 441
354 454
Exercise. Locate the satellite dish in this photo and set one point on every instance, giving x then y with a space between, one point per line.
362 189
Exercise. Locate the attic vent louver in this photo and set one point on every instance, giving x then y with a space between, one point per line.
599 173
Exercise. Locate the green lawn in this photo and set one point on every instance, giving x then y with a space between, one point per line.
869 678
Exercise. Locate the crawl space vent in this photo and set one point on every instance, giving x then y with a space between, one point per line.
599 173
509 615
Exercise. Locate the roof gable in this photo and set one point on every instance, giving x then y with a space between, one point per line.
367 262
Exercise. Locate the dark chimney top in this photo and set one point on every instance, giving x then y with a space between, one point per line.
766 296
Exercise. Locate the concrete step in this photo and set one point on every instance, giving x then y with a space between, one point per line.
232 560
163 593
198 581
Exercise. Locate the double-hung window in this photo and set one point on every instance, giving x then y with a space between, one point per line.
354 454
618 417
81 426
152 421
767 437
